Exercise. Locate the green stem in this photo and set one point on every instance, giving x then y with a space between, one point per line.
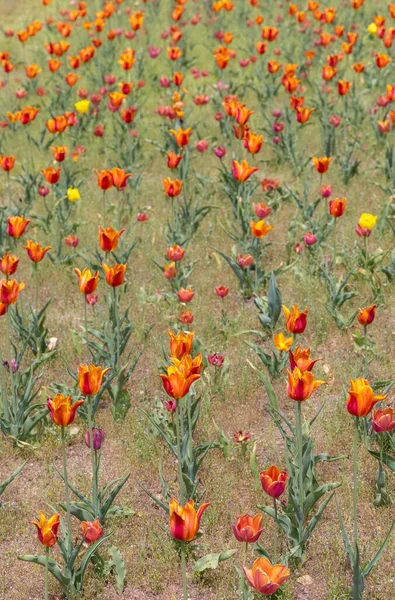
275 532
334 249
190 438
365 357
366 251
184 572
4 397
93 460
36 287
13 391
117 327
46 572
180 479
86 327
300 465
355 473
66 491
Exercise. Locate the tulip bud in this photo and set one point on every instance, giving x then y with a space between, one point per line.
98 438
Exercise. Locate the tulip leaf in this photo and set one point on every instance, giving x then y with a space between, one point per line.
118 568
53 567
212 561
387 459
274 301
86 558
7 482
104 508
378 554
316 494
346 541
154 498
313 522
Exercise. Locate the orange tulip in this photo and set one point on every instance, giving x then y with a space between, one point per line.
172 188
62 411
59 153
104 179
28 115
9 264
265 577
91 531
181 343
51 175
187 364
337 207
248 528
115 274
86 281
382 60
242 171
9 291
322 164
343 87
57 124
185 295
36 252
90 379
16 226
361 398
383 420
366 315
175 253
170 271
109 238
181 136
7 163
303 114
47 530
259 229
179 378
301 385
295 320
184 520
119 178
253 142
273 481
173 160
282 343
301 359
243 114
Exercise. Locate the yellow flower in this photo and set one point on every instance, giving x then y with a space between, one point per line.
73 194
282 343
367 221
82 106
372 29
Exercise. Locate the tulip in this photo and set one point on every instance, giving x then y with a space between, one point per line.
248 528
273 481
16 226
240 437
9 291
366 315
303 114
337 207
91 531
181 136
361 398
242 171
301 385
82 106
173 159
178 378
104 179
175 253
172 188
282 343
7 163
322 164
222 291
185 295
59 153
253 142
47 530
367 221
184 520
245 261
109 238
383 420
119 178
295 320
98 438
262 210
9 264
90 379
310 238
62 411
86 281
266 578
217 360
301 359
36 252
72 241
73 194
259 229
181 343
51 175
114 275
343 87
186 317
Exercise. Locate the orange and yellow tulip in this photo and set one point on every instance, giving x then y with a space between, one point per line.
184 520
90 379
295 320
301 359
248 528
36 252
301 385
322 164
337 206
273 481
9 264
282 343
114 275
181 343
59 153
9 291
51 175
86 281
178 378
361 398
16 226
7 163
47 530
119 178
259 228
104 179
366 315
266 578
172 188
109 238
62 411
181 136
242 171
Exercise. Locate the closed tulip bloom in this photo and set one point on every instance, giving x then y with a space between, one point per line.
115 274
303 114
259 229
9 264
9 291
310 238
119 178
343 87
59 153
86 281
104 179
383 420
322 164
90 379
367 221
62 411
337 207
222 291
36 252
184 520
170 271
301 359
109 238
266 578
361 398
242 171
295 321
366 315
175 253
173 159
186 317
16 226
253 142
7 163
91 531
82 106
273 481
47 530
172 188
248 528
245 261
181 136
73 194
179 377
51 175
301 385
262 210
282 343
98 438
185 295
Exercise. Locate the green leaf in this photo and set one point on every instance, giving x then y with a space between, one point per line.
387 459
7 482
274 301
53 567
346 541
211 561
313 522
378 554
119 568
316 494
